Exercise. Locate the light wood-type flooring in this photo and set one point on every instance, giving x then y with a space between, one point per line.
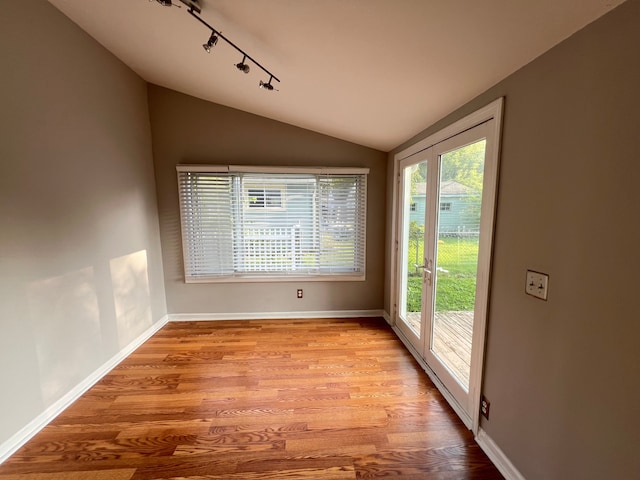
277 399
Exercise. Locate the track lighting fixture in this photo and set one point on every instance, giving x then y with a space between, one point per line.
243 66
213 39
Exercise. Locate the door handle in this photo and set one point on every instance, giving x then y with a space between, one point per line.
426 268
428 274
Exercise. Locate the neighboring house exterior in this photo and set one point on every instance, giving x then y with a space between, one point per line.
296 223
459 211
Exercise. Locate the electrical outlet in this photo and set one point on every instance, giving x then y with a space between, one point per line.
299 293
537 284
484 407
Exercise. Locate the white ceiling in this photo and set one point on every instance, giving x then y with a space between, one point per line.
373 72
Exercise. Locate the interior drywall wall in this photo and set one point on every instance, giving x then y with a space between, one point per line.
193 131
80 264
562 375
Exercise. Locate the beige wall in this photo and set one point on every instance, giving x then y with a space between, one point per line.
189 130
80 263
563 375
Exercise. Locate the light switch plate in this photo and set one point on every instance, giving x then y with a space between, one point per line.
537 284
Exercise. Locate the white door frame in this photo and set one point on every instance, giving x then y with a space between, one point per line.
492 111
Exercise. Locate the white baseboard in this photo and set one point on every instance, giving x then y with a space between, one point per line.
22 436
196 317
386 317
497 456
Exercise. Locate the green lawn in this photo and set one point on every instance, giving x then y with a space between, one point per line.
456 279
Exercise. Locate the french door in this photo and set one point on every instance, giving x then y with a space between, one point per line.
446 204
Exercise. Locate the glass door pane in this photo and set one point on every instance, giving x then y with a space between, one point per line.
414 198
456 257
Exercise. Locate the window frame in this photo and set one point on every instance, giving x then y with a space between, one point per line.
288 275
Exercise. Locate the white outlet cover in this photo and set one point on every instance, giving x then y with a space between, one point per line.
537 284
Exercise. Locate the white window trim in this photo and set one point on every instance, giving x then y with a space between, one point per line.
253 278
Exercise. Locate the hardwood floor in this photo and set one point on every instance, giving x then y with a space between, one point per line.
279 399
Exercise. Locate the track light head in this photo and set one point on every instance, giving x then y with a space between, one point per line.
192 5
266 86
242 66
166 3
213 39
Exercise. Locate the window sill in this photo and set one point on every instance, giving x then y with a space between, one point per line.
280 279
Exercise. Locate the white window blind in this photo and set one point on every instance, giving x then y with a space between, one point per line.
280 223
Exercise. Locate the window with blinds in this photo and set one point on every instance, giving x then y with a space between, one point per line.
244 224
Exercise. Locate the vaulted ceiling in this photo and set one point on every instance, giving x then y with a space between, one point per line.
373 72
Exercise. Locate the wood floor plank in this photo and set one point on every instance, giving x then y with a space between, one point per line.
242 400
114 474
332 473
